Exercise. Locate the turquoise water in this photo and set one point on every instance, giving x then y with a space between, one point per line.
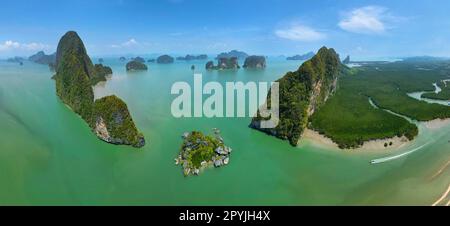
49 156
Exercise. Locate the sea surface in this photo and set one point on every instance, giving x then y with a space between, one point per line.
49 156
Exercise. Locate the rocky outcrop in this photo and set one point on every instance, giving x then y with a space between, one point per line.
301 93
200 151
346 60
255 62
228 63
113 123
306 56
165 59
108 117
224 64
136 66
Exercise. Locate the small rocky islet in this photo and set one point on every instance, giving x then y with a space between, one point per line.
200 151
255 62
165 59
135 65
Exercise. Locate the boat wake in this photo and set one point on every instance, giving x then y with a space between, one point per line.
390 158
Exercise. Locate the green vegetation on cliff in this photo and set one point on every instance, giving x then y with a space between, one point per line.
70 47
108 117
73 85
301 93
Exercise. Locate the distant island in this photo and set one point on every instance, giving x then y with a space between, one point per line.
193 57
139 59
108 117
232 54
165 59
200 151
306 56
223 64
15 60
151 60
255 62
423 59
41 58
136 66
122 59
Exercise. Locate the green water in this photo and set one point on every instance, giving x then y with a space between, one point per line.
49 156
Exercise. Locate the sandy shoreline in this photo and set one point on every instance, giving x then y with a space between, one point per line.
437 123
373 145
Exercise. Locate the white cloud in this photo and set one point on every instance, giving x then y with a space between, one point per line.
367 20
129 43
300 33
13 45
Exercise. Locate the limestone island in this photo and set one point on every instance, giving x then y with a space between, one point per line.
42 58
200 151
301 93
136 66
224 64
233 53
122 59
255 62
165 59
108 117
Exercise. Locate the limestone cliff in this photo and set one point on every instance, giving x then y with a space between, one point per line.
74 78
113 122
302 92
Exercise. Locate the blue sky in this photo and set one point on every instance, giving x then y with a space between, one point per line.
362 29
